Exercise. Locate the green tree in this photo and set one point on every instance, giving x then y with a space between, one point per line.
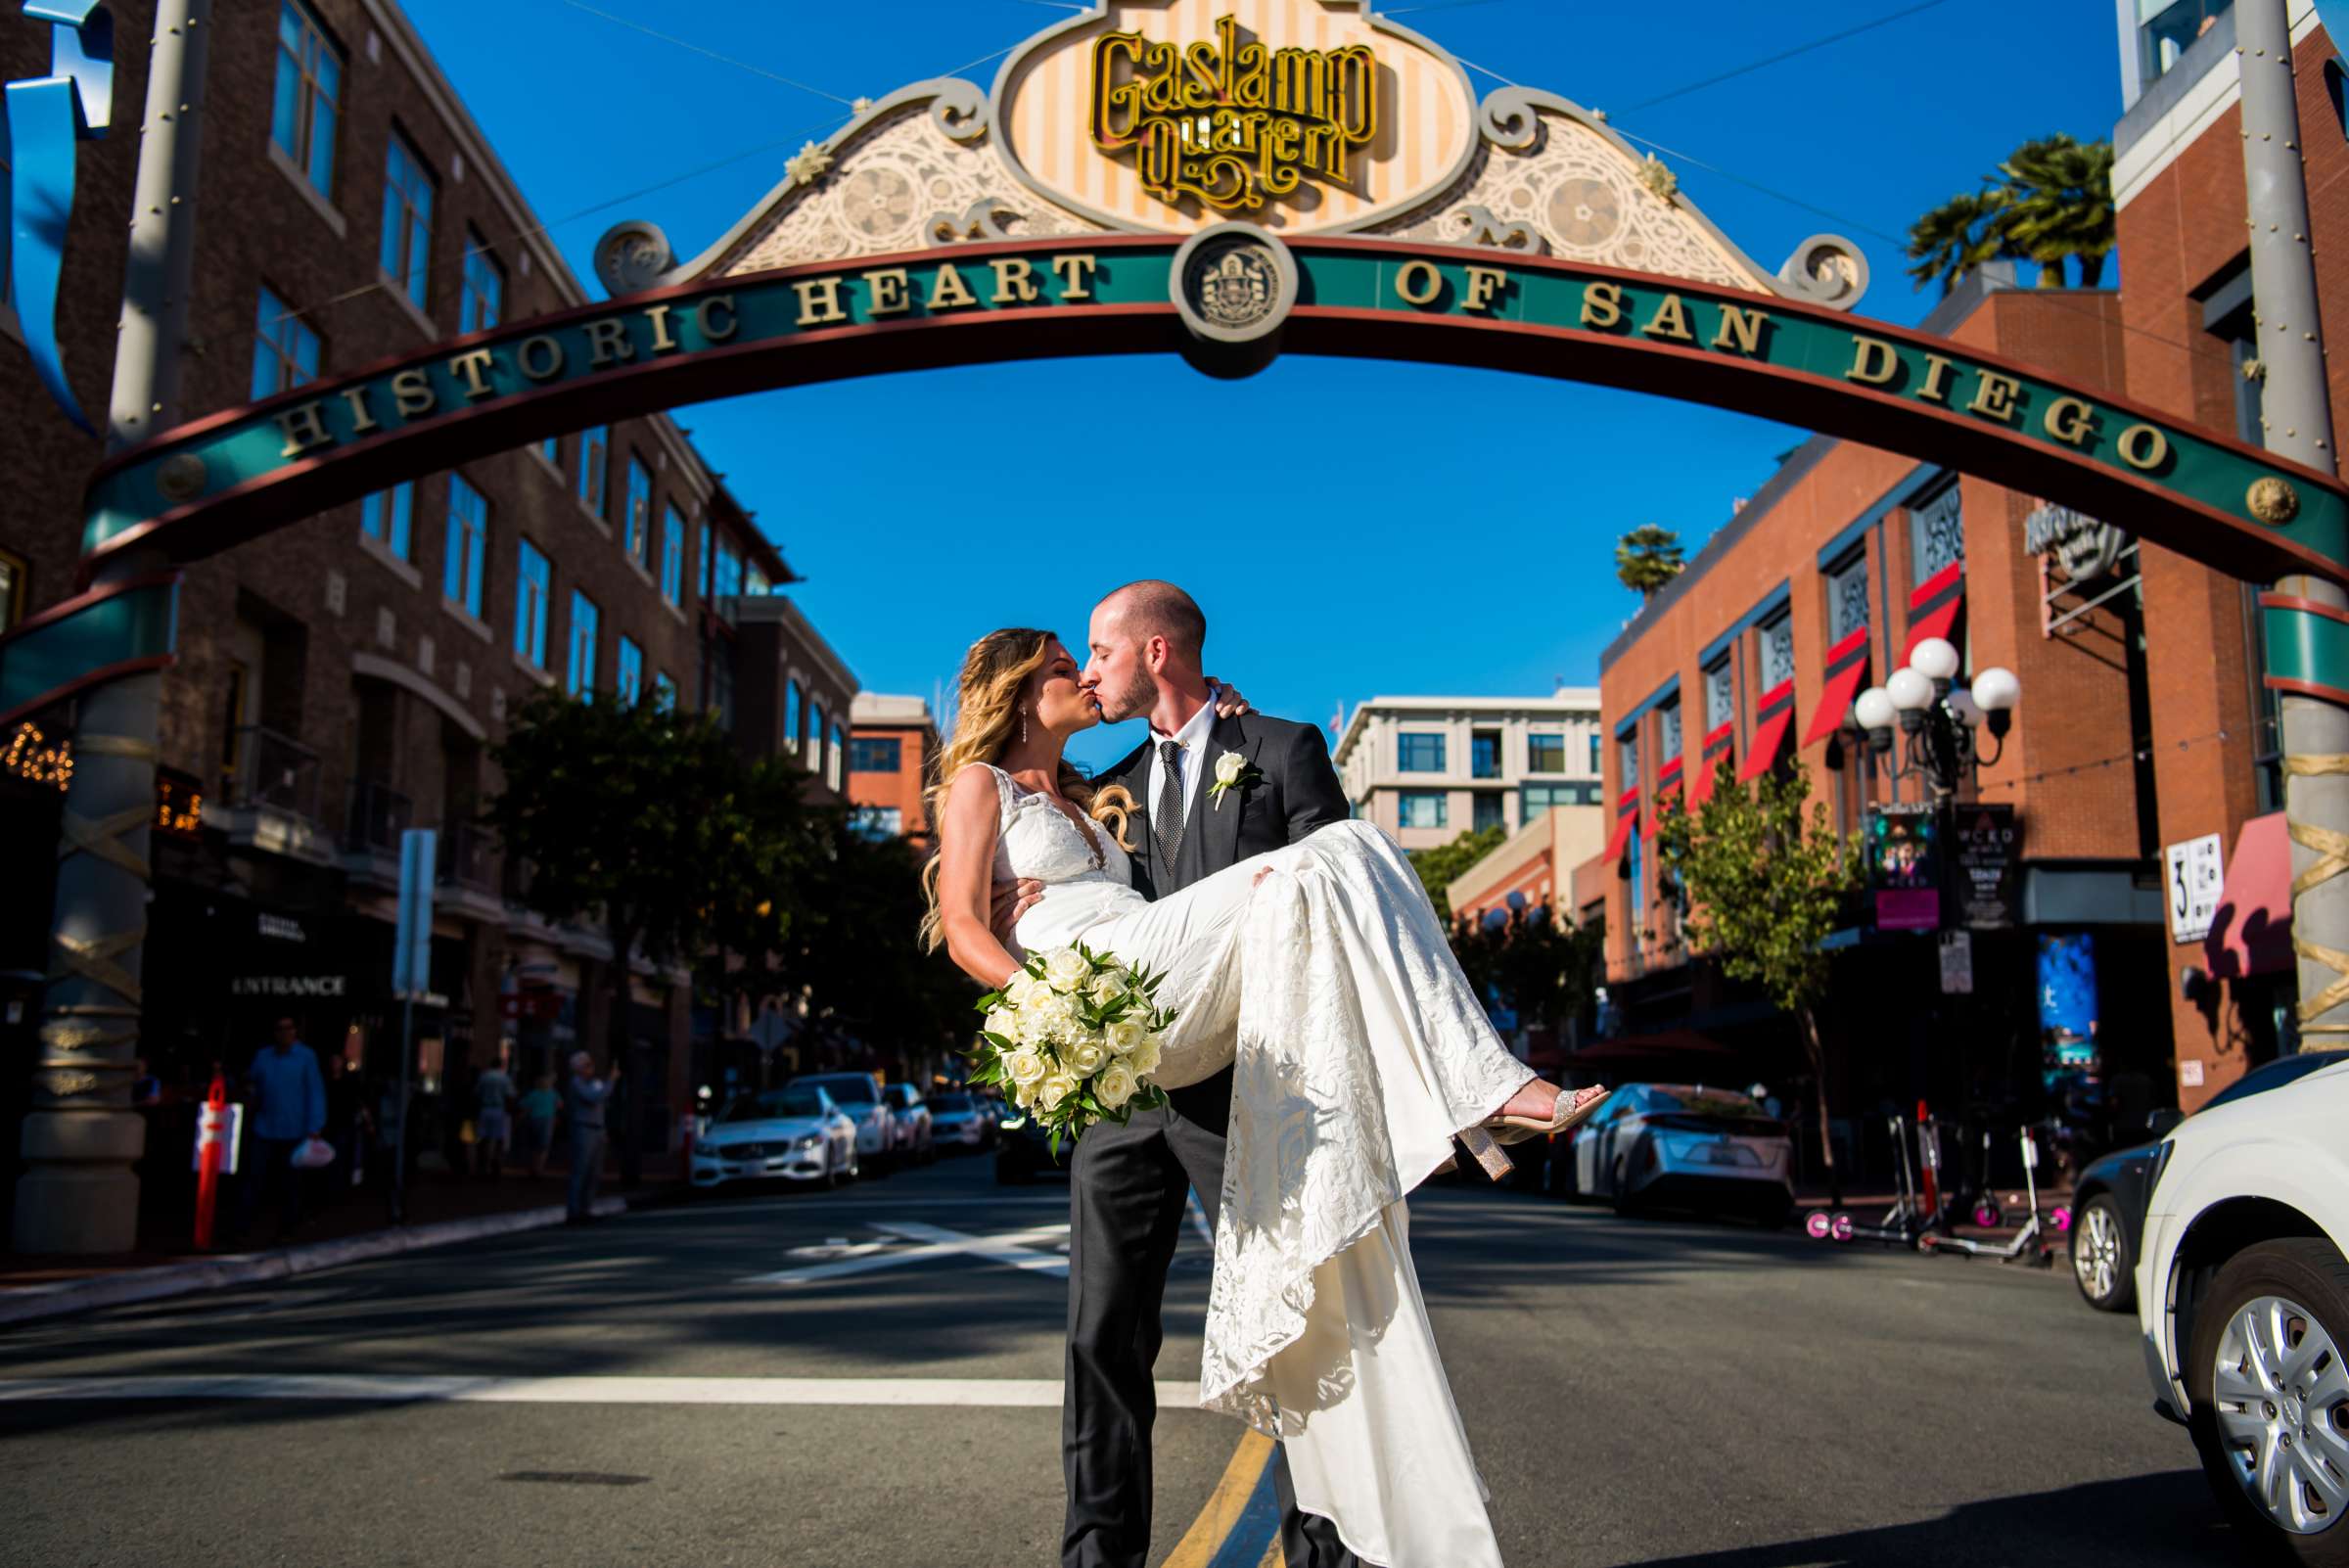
1766 886
1544 969
2049 201
1958 238
1647 558
1440 867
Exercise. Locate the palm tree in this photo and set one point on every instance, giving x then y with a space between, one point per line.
2060 207
1958 237
1647 558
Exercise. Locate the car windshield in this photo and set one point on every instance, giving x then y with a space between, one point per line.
2274 1074
952 1102
1704 1102
773 1104
849 1090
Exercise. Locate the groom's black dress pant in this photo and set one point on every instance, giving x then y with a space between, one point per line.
1127 1193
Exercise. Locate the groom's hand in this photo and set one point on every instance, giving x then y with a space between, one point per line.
1229 704
1010 900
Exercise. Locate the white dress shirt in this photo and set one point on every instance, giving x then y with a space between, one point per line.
1192 738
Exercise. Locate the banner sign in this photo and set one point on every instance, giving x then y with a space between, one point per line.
1903 866
1986 849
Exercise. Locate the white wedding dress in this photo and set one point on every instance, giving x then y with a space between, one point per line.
1360 1049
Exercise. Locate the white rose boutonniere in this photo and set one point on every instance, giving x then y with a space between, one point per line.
1233 771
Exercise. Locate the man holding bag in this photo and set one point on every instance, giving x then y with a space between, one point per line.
287 1096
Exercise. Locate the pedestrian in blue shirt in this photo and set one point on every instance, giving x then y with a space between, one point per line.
285 1104
584 1097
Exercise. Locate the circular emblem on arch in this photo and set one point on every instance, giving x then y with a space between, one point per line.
2273 501
180 478
1233 283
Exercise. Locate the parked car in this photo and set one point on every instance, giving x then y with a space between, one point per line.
1679 1145
795 1134
2108 1204
912 1129
858 1094
960 1121
2242 1302
1025 1152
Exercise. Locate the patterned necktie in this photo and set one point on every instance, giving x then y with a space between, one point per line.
1167 819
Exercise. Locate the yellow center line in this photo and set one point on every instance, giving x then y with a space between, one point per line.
1225 1504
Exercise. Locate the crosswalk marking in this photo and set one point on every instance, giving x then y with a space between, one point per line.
1013 1248
1000 1392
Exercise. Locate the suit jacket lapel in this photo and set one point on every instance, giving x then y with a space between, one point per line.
1211 838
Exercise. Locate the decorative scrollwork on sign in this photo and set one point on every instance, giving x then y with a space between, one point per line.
1511 116
983 219
631 255
1483 228
959 111
1827 269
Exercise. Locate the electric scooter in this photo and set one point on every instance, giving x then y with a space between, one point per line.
1901 1225
2028 1243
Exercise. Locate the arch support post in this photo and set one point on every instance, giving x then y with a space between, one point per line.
2305 616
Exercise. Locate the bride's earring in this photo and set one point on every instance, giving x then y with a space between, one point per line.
1022 726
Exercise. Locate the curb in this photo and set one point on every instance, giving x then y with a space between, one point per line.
29 1303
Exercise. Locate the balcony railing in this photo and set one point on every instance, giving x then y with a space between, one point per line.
466 854
273 770
379 815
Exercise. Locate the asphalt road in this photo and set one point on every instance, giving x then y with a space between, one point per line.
1671 1394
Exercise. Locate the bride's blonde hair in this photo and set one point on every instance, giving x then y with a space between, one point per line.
987 717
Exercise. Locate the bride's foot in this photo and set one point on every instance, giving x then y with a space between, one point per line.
1542 1109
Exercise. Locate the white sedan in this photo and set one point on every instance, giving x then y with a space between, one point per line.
2242 1294
1683 1146
795 1134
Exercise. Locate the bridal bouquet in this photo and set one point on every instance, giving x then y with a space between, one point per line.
1073 1040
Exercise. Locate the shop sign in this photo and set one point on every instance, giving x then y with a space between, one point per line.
2195 873
2078 545
302 988
1903 866
1986 845
280 928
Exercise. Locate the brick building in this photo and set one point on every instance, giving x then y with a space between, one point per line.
344 678
892 747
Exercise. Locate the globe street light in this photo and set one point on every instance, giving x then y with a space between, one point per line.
1939 719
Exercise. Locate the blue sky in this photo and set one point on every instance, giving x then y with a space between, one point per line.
1461 540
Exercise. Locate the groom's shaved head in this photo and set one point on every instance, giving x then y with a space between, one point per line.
1151 608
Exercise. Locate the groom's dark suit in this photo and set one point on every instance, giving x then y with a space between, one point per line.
1128 1184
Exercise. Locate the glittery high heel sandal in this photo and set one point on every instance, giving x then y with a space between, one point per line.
1484 1142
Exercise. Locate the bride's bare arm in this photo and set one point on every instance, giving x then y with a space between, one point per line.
966 866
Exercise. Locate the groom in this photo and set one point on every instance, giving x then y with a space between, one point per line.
1128 1184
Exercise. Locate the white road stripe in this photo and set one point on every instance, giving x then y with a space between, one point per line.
1011 1248
997 1393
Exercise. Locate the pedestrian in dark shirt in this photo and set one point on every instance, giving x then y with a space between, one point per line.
287 1096
585 1097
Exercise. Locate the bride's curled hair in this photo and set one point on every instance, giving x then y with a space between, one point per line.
987 718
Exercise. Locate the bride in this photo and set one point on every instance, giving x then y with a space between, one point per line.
1321 973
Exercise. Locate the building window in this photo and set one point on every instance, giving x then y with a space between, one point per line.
13 583
1595 742
875 754
1636 867
483 302
815 736
876 822
309 95
791 714
468 541
1534 799
595 452
533 598
1721 695
1420 753
664 693
1937 532
834 756
2166 30
1775 642
637 522
407 244
551 449
1627 762
1847 597
583 618
1668 731
628 671
672 557
726 578
1484 754
1486 809
389 516
1423 808
722 685
285 350
754 582
1544 753
709 561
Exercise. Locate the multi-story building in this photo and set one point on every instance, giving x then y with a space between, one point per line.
1429 769
1534 866
782 689
347 677
893 744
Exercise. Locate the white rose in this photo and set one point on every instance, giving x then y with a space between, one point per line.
1023 988
1067 969
1054 1089
1228 769
1003 1021
1144 1060
1116 1085
1084 1057
1108 987
1026 1067
1025 1094
1124 1036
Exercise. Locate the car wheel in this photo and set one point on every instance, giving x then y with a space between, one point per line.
1618 1189
2271 1397
2100 1260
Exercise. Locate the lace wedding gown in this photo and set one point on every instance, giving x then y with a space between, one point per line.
1360 1051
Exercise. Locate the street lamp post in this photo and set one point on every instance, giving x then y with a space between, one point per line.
1941 722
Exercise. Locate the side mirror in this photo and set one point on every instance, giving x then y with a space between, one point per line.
2160 1123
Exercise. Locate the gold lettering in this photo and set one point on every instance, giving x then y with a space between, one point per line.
819 300
1484 285
1603 305
1994 395
608 336
1937 374
412 393
1015 281
305 429
362 420
2071 420
1872 361
1740 327
705 318
1074 273
1418 283
948 289
541 358
471 367
663 340
884 293
2142 446
1671 320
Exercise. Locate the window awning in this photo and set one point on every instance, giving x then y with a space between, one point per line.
1772 721
1627 823
1847 672
1935 606
1720 749
2251 934
1668 780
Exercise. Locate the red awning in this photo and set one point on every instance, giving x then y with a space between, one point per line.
1771 725
1934 608
1719 752
1627 823
2251 934
1847 672
1668 781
